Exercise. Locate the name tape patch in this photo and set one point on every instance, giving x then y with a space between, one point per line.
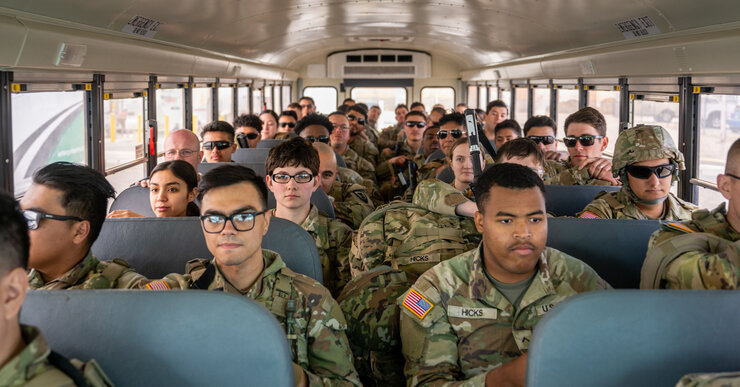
474 313
417 304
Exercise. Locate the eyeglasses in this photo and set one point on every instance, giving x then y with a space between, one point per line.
288 124
643 172
220 145
214 224
360 121
732 176
455 133
588 140
33 218
547 140
181 152
418 124
339 126
300 178
324 139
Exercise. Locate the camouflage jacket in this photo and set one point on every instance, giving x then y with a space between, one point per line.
31 367
346 175
390 185
333 240
566 174
702 253
720 379
365 149
352 204
440 197
389 136
456 326
358 164
372 134
320 346
425 172
90 273
619 205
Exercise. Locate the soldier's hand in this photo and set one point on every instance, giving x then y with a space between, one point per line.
509 374
556 155
398 160
124 214
144 183
299 376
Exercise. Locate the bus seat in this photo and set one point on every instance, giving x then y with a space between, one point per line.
319 199
139 338
258 168
635 338
156 247
250 155
268 143
340 161
135 199
446 175
615 248
568 200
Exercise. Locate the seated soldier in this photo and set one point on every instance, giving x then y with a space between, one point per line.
65 207
585 138
269 124
373 114
25 357
396 161
393 134
248 129
235 219
461 162
543 131
339 136
358 141
435 115
496 111
429 141
183 144
704 252
647 162
293 175
471 318
296 107
370 133
351 201
286 125
505 131
218 142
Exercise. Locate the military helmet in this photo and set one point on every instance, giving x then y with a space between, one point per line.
643 143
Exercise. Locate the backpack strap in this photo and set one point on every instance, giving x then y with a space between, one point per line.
206 278
66 367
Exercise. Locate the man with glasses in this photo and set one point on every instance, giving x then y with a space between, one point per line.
339 138
308 106
218 141
391 135
286 125
647 162
358 139
183 144
292 175
394 163
543 131
701 253
65 207
234 220
248 129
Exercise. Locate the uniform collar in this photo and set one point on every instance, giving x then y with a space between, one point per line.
272 264
671 207
70 278
312 219
28 362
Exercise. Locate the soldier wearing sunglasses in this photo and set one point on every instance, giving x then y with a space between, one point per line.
359 140
248 130
286 125
393 161
647 162
218 142
339 139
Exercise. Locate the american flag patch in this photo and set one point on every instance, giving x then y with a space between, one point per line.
417 304
588 215
158 285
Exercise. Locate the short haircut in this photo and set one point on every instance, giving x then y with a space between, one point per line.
431 127
268 111
296 152
508 124
455 117
312 119
248 120
496 103
308 99
733 157
289 113
294 105
337 113
348 100
221 126
401 106
461 104
375 107
457 143
439 110
541 121
343 108
415 113
417 104
590 116
184 171
230 174
362 105
357 109
520 148
85 192
14 242
506 175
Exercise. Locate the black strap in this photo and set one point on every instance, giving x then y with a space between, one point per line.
62 364
208 275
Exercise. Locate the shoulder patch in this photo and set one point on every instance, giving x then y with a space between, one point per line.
158 285
675 226
588 215
361 195
417 304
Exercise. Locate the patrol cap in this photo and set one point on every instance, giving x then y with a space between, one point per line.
643 143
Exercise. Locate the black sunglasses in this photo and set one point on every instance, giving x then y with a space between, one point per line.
643 172
250 135
324 139
360 121
588 140
455 133
547 140
220 145
288 124
418 124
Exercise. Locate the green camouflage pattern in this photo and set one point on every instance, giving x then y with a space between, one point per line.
551 169
408 237
472 328
567 174
333 240
721 379
644 143
32 367
365 149
346 175
619 205
352 204
90 273
372 134
439 197
704 252
358 164
390 136
390 186
320 346
425 172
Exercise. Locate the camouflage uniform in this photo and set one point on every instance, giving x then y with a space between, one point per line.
352 204
440 197
333 240
567 174
90 273
720 379
444 345
619 205
551 169
702 253
33 367
358 164
372 134
390 136
320 346
365 149
390 185
346 175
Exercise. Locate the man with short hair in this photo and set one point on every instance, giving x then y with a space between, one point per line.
358 140
396 160
505 131
436 114
460 108
451 127
496 111
308 106
339 138
419 107
391 135
543 131
373 115
296 107
470 318
429 141
348 102
286 125
65 207
218 141
248 130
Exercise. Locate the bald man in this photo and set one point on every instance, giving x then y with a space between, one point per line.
182 144
351 201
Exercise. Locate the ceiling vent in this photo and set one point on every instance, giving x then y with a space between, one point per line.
380 64
381 39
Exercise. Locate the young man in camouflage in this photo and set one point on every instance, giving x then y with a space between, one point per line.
471 318
339 137
235 219
647 162
358 141
704 252
25 357
65 208
293 175
391 135
396 160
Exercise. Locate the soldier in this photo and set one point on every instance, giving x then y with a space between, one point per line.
65 208
373 115
647 162
25 357
339 137
391 135
358 140
235 219
506 131
248 130
496 112
293 175
218 141
543 131
471 318
398 160
701 253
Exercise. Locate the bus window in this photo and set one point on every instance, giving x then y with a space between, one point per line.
384 97
506 97
567 105
286 98
202 107
607 103
47 127
243 100
482 97
226 104
431 96
325 98
541 102
170 114
257 105
651 112
268 97
277 96
719 127
520 113
472 96
123 120
492 95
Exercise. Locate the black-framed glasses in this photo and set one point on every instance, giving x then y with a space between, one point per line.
284 178
288 124
455 133
220 145
215 223
324 139
33 218
181 152
418 124
359 120
732 176
643 172
587 140
547 140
